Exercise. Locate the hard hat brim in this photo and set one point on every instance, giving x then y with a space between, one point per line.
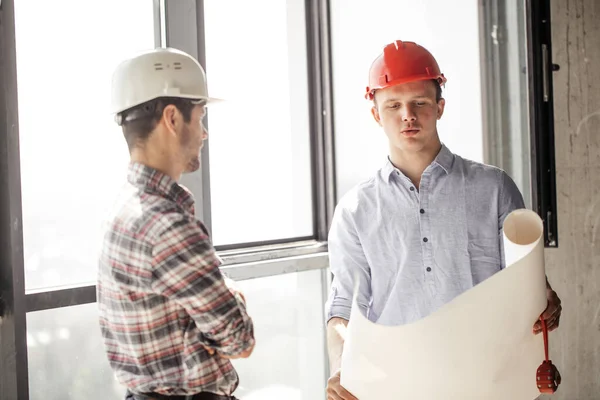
208 101
212 101
371 92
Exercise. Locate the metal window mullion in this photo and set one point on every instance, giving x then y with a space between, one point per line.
329 185
201 49
68 297
322 132
486 61
518 108
321 114
328 124
159 23
493 50
13 328
184 30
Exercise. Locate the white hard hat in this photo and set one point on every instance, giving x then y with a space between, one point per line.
161 72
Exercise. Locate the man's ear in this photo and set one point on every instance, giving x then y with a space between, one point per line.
170 118
440 108
376 116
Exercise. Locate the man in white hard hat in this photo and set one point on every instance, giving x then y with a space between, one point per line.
170 320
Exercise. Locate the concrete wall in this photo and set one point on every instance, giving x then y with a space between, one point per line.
574 268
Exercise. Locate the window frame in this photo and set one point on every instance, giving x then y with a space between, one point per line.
13 345
524 147
184 21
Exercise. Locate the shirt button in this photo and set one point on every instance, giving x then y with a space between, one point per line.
422 211
428 269
412 189
425 240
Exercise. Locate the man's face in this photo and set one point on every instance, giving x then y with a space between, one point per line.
408 114
192 139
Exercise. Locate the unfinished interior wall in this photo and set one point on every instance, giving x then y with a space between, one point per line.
574 268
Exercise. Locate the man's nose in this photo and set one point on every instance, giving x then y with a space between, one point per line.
409 115
204 132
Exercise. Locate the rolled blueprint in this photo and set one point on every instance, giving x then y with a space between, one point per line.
478 346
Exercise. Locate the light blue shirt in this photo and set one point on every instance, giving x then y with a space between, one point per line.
415 250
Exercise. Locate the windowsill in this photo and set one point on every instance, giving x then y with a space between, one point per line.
239 265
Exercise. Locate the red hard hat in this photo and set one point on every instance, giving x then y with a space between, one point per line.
402 62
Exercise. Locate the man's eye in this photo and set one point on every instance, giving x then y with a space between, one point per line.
420 103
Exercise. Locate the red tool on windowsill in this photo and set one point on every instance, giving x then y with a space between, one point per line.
548 377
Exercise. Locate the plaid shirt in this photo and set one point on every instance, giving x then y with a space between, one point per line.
162 297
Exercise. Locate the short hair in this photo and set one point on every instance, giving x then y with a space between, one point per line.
138 122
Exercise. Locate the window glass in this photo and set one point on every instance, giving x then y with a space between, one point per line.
73 155
260 170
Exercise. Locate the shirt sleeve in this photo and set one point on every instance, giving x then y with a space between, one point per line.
510 199
186 270
348 265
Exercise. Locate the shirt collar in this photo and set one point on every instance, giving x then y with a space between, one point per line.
445 159
152 180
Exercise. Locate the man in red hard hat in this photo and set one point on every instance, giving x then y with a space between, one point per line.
428 225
